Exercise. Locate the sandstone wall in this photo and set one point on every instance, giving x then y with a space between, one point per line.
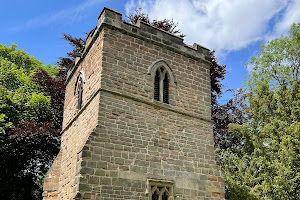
51 180
135 141
73 140
91 66
126 62
77 124
138 138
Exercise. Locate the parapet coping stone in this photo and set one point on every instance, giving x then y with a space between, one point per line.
113 20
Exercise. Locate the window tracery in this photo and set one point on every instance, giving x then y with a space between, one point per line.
160 190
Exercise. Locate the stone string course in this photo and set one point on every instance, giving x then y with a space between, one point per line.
122 137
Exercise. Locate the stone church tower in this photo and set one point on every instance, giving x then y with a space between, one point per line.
136 119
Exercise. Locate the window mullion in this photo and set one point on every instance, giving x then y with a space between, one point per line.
160 196
161 86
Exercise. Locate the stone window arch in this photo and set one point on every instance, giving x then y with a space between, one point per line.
78 92
163 77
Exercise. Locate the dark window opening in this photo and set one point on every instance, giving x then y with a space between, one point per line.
156 86
155 196
166 89
79 93
161 85
165 196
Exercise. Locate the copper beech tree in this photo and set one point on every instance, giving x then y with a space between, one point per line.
31 101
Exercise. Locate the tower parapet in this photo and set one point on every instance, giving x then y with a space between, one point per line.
144 31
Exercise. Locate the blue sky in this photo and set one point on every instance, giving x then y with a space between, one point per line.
234 28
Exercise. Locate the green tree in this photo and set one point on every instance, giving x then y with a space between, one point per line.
21 98
267 163
28 140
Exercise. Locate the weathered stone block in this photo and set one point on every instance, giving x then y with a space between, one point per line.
101 164
86 170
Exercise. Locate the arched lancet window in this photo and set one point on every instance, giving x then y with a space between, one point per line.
163 78
79 93
79 89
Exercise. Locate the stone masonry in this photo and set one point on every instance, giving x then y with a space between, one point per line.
121 139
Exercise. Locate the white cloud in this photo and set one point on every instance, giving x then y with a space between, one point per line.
291 15
224 25
72 14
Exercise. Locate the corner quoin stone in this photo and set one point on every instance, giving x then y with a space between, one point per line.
121 138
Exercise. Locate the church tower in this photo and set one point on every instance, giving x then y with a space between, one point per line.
137 119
